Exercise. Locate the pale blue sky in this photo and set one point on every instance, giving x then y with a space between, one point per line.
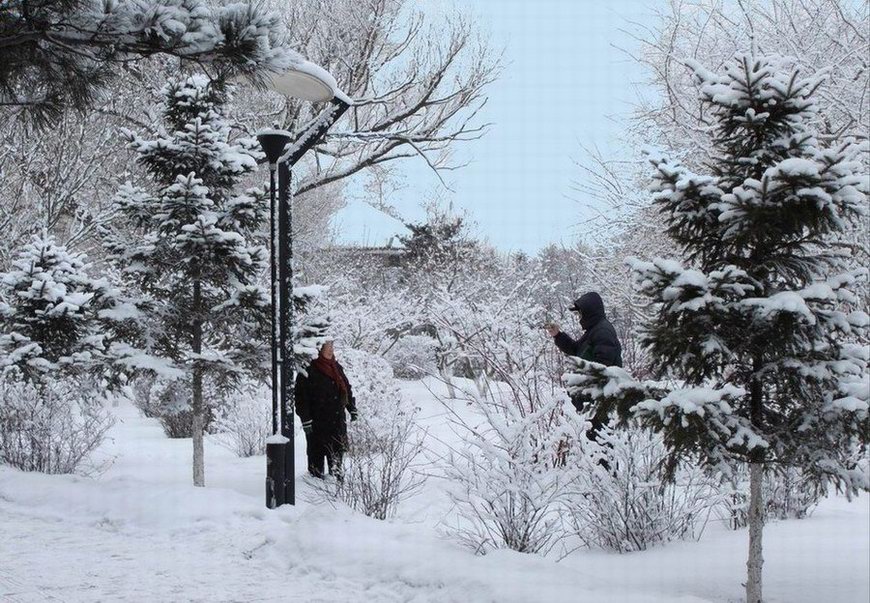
562 82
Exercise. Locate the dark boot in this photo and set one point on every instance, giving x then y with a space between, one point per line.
315 453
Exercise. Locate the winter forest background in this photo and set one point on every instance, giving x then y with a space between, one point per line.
726 230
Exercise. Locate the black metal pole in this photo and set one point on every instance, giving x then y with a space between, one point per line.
285 320
273 288
273 144
285 277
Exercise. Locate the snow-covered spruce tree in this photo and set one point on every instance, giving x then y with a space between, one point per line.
759 333
56 358
56 317
189 246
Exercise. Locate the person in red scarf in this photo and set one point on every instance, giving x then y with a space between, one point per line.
323 396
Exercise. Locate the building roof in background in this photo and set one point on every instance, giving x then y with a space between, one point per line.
358 224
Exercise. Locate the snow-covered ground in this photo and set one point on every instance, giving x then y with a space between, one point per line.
141 532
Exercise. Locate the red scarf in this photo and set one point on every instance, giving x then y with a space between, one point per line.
331 368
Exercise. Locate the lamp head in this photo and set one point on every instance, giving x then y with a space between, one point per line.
303 80
309 82
273 143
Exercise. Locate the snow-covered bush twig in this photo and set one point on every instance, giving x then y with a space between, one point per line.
788 494
51 426
628 506
378 471
511 479
413 356
244 422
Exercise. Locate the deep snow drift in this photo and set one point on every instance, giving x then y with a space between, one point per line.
141 532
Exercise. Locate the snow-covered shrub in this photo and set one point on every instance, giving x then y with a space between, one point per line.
373 320
511 477
625 505
413 356
510 480
51 426
860 459
245 421
790 494
384 445
378 470
143 398
374 386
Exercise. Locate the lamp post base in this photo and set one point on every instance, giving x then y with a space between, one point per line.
280 475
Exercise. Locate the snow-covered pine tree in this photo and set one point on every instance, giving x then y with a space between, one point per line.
439 250
57 54
56 318
760 332
191 247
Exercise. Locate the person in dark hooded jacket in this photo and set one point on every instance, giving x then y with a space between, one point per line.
323 396
599 342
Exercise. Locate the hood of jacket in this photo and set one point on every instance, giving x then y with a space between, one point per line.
591 307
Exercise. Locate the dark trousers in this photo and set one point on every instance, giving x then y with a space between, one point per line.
324 445
597 423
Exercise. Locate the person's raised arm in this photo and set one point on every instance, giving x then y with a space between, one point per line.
562 340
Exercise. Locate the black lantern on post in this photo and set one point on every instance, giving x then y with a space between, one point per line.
307 82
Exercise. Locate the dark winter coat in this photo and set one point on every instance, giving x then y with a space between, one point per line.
321 406
599 342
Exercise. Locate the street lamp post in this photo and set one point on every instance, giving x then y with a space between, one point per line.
312 83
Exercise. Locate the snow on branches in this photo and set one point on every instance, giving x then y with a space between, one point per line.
59 53
769 169
57 318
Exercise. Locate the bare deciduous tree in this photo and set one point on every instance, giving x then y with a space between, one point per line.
419 85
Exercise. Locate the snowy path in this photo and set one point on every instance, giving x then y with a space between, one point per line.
53 559
141 533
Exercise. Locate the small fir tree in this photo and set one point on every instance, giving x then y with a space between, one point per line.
760 332
438 250
190 245
56 318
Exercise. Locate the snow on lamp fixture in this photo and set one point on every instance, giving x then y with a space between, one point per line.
306 81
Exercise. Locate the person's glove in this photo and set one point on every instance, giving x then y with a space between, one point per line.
306 427
354 415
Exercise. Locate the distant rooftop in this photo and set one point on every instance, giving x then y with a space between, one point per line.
358 224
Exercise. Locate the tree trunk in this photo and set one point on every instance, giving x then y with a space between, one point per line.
481 381
198 419
756 524
444 371
756 474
